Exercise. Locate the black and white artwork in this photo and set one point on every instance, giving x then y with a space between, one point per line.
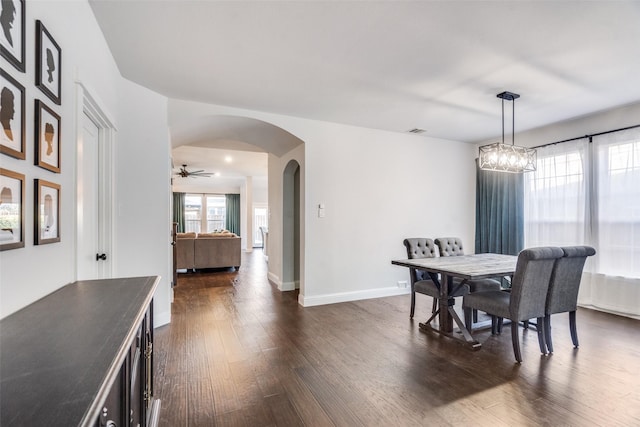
47 138
12 116
12 23
11 210
48 64
47 212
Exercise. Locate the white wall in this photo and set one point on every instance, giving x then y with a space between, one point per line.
29 273
378 188
143 235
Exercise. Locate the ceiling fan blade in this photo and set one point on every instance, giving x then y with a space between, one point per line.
184 173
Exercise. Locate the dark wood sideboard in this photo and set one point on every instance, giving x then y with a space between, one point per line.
81 356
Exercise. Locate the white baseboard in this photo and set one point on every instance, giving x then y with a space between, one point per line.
287 286
161 319
351 296
606 310
274 279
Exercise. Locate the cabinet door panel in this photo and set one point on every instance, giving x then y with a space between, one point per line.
113 412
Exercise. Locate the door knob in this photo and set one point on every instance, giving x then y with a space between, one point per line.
102 257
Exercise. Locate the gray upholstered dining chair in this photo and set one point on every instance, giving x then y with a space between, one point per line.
452 246
526 299
420 247
449 246
562 296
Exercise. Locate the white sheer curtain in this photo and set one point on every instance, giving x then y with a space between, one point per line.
618 186
586 193
555 196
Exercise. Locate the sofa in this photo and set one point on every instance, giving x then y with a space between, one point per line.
207 250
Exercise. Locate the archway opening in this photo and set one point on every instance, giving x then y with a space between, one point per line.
291 227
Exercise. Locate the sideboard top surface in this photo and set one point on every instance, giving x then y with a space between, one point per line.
58 355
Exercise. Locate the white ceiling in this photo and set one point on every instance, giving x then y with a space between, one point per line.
393 65
230 166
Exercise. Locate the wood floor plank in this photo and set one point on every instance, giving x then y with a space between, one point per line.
283 411
241 353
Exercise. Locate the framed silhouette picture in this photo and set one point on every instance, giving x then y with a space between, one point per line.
12 189
12 117
47 138
48 64
47 212
12 24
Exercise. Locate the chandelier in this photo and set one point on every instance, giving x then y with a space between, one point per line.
507 158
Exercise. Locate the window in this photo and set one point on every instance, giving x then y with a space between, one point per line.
618 214
216 210
192 213
260 219
589 193
555 197
215 207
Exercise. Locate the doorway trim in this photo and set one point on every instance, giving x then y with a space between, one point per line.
89 105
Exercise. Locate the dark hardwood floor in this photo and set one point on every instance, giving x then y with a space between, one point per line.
240 353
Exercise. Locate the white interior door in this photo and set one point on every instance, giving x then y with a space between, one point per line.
89 199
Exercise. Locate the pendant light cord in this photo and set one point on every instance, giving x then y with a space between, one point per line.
513 122
503 121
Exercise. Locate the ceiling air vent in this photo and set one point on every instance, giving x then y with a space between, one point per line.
417 131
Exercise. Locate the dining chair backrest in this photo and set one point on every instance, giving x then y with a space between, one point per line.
531 282
449 246
565 279
419 247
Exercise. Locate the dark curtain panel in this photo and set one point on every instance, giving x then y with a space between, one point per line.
499 212
232 218
178 211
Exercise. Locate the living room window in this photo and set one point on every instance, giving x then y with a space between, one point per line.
204 213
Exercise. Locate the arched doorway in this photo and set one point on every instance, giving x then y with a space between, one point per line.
210 132
291 226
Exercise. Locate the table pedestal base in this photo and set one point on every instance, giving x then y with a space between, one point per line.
466 338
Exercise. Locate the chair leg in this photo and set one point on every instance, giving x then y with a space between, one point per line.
475 316
572 328
500 323
516 341
547 332
494 324
434 308
539 330
413 304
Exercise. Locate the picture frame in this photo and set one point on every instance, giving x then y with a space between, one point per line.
47 137
12 116
47 212
12 29
48 64
12 191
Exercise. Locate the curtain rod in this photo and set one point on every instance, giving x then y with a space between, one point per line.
586 136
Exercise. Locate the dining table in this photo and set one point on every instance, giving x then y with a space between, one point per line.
465 268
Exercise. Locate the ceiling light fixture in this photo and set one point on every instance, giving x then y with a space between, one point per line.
507 158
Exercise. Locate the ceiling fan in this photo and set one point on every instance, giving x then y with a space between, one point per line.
184 173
